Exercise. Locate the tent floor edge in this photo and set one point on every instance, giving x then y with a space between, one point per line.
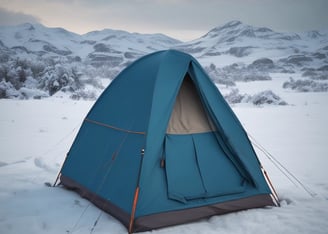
98 201
171 218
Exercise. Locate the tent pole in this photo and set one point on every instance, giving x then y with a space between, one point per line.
274 193
136 195
59 173
135 200
57 178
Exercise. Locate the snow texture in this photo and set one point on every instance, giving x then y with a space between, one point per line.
36 134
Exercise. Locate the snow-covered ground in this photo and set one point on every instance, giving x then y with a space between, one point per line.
36 134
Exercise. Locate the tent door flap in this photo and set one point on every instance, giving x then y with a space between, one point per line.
196 167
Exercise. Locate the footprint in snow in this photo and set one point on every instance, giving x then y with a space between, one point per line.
39 162
3 164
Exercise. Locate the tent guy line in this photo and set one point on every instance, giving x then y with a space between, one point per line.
283 169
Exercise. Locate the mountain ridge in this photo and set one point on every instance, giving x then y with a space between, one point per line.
38 39
33 56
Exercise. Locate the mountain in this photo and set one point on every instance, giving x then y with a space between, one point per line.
239 52
95 47
37 61
243 43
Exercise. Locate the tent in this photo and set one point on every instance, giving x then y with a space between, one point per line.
162 147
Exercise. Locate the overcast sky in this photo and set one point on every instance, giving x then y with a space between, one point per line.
181 19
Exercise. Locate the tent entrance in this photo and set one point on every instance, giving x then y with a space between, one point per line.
188 115
196 165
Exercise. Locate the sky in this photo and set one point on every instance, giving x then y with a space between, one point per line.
182 19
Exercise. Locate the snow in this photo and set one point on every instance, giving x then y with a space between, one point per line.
36 134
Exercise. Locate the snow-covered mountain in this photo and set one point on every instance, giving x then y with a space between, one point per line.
39 61
240 52
97 46
50 60
244 43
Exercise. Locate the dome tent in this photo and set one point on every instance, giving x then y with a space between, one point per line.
162 147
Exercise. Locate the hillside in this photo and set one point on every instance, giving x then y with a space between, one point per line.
37 61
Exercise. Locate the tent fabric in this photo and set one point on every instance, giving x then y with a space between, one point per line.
161 140
199 164
188 115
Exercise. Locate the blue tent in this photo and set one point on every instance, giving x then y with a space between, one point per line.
162 147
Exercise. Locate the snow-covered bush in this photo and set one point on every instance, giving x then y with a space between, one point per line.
255 77
3 89
37 78
27 93
262 98
60 77
234 97
218 76
228 75
262 64
266 97
241 72
316 74
84 95
305 85
7 90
